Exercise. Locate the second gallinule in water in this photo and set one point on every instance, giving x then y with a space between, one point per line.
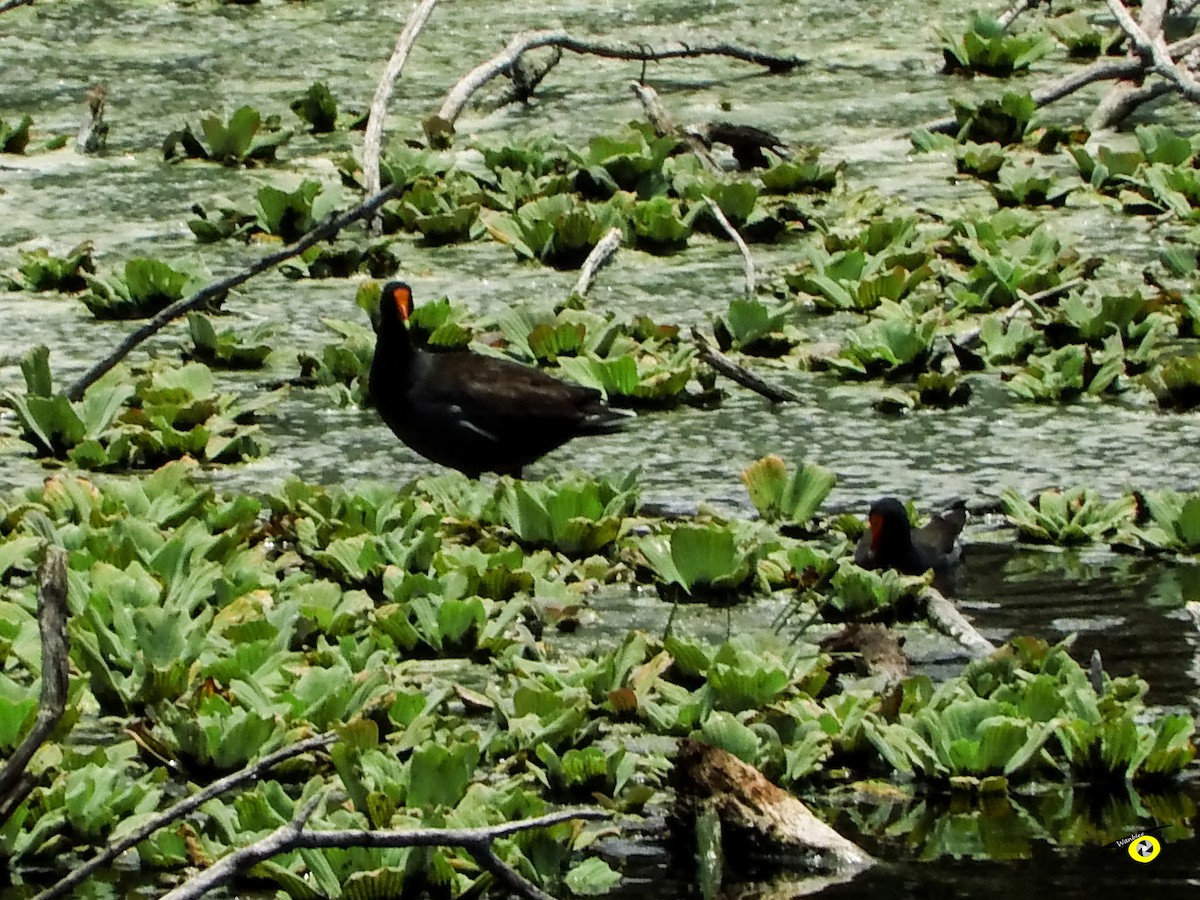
472 412
892 543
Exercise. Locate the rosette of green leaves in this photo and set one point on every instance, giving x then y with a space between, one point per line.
1176 383
749 326
713 561
244 140
228 348
144 287
1070 517
574 517
39 270
782 497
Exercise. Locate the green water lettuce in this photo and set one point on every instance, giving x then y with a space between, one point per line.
779 496
141 289
228 348
244 140
988 48
39 270
1076 516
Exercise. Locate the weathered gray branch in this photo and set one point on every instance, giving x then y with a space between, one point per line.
945 617
1010 15
293 836
743 376
373 140
747 259
1152 47
600 256
664 125
321 232
180 810
56 647
456 100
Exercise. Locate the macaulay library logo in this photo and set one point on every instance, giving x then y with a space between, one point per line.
1140 846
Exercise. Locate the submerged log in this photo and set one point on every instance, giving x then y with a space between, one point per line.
876 650
759 820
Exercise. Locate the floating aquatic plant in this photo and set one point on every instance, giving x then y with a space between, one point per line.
988 48
286 215
317 108
558 230
39 270
228 348
703 561
1176 383
749 326
245 139
782 497
139 290
1076 516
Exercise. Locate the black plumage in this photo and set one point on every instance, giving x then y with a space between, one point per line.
472 412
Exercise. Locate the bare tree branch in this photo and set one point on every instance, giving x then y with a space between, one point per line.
456 100
1153 49
373 140
180 810
1010 15
526 77
664 125
14 4
740 374
945 617
747 259
324 231
476 841
56 647
600 256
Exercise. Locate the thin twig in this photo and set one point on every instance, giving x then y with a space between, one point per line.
456 100
747 259
1010 15
600 256
14 4
743 376
324 231
180 810
373 140
293 837
56 647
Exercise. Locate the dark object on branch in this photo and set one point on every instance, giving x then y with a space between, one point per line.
759 821
15 784
746 141
892 543
743 376
93 133
472 412
209 293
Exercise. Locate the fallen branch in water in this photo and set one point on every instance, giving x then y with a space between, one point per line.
14 4
747 259
56 647
945 617
321 232
180 810
373 140
441 124
600 256
743 376
476 841
526 76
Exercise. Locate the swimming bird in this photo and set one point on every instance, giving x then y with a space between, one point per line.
892 543
472 412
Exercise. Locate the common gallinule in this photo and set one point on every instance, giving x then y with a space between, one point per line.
472 412
892 543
